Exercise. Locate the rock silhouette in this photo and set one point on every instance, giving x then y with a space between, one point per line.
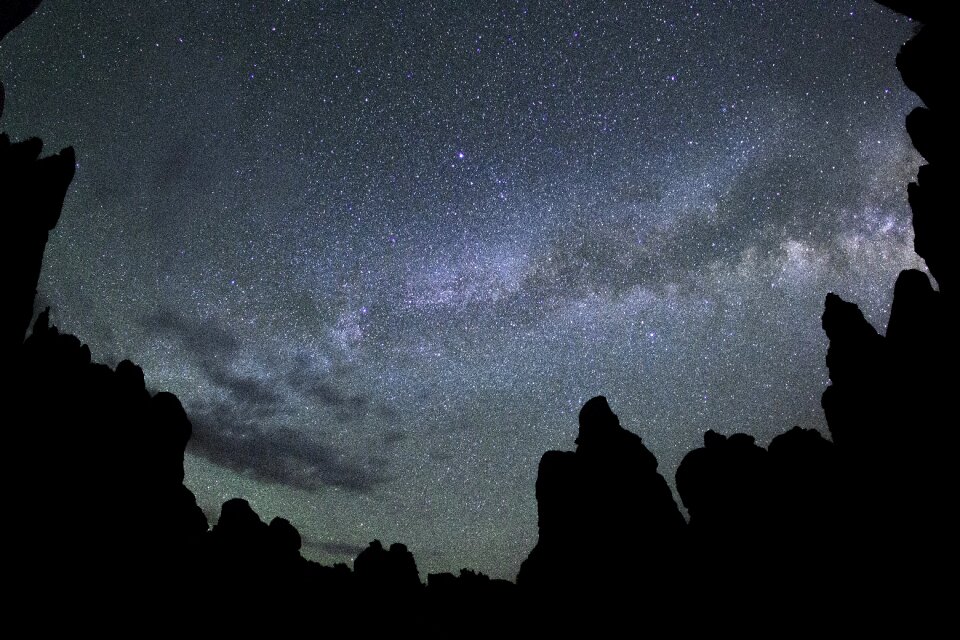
246 557
889 408
763 522
392 571
922 62
118 447
807 498
889 404
726 489
33 190
606 516
856 360
14 12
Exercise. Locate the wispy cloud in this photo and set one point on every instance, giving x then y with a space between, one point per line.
230 437
248 428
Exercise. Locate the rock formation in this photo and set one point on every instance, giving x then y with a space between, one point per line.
606 516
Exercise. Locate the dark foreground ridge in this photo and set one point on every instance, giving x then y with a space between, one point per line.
852 530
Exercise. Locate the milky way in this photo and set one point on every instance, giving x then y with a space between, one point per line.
383 252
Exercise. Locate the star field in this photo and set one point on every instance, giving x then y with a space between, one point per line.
383 252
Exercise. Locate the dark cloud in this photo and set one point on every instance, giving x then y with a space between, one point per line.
439 456
335 548
229 437
393 436
248 433
244 389
205 338
318 388
214 348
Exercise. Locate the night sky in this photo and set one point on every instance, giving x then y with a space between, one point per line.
383 252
